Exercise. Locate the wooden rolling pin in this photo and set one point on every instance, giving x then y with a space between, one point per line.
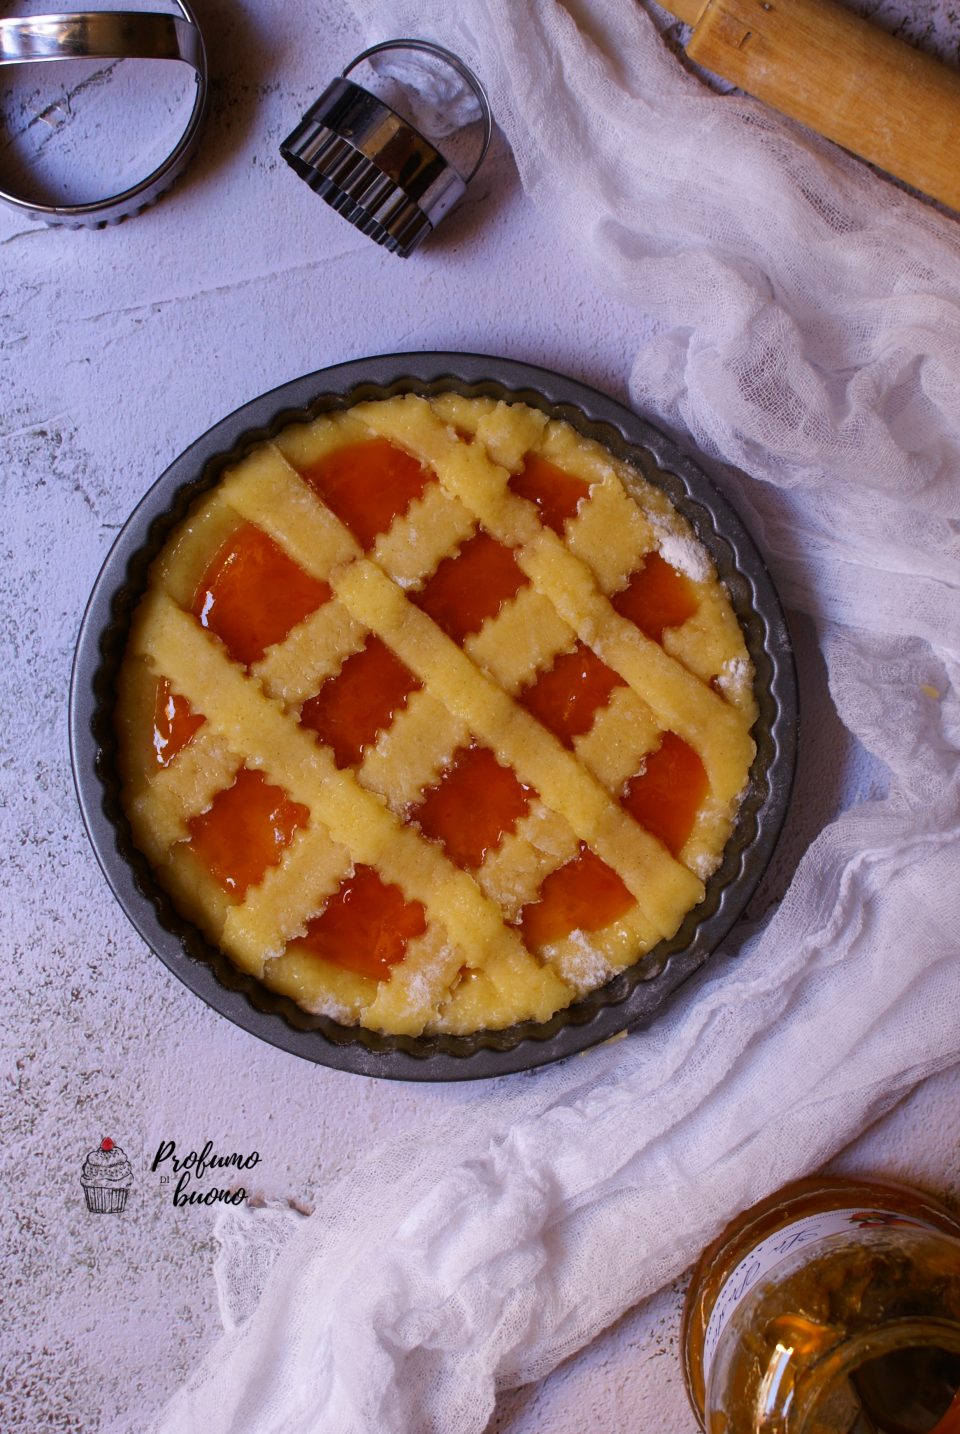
842 76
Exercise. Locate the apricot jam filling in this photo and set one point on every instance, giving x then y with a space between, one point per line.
252 594
365 926
558 495
245 830
666 796
367 485
355 705
568 695
174 723
475 804
583 895
471 586
656 597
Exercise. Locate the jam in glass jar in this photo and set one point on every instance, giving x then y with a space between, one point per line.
832 1307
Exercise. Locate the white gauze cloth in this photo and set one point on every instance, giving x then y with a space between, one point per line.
808 320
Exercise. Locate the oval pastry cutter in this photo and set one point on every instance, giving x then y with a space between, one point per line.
372 165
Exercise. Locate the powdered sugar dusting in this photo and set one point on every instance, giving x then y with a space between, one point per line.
422 979
582 965
735 677
704 863
328 1006
682 551
419 983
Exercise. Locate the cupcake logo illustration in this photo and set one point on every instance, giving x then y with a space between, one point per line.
106 1179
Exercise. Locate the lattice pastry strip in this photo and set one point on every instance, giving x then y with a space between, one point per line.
492 994
622 733
465 470
610 534
524 636
290 757
514 977
540 843
265 490
517 739
702 851
616 835
450 896
292 670
409 754
680 701
182 790
507 435
474 1002
709 643
432 527
520 742
304 444
508 965
418 984
276 911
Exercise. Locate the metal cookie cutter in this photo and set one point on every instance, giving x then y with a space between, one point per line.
111 35
372 165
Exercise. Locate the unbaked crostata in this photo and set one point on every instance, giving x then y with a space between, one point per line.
434 715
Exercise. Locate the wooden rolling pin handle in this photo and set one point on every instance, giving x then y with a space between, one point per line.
842 76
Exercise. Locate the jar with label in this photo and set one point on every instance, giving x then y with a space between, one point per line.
833 1307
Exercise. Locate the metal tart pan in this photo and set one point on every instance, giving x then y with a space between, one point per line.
635 995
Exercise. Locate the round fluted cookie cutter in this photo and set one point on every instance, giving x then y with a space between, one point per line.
111 35
373 166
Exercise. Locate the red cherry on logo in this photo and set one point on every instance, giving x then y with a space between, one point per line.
106 1143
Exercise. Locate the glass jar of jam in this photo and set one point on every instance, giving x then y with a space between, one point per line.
832 1307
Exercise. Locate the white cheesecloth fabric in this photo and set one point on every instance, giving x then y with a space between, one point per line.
808 331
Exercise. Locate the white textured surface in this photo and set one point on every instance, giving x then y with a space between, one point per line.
116 350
